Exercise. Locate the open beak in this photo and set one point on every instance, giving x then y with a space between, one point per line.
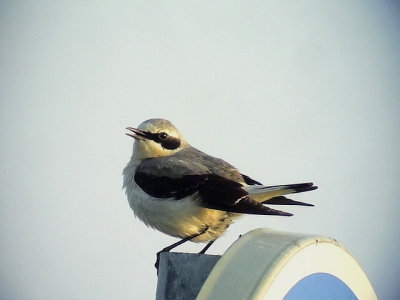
136 133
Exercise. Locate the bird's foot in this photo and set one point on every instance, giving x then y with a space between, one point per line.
157 264
169 248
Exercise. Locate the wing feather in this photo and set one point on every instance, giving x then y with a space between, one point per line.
215 192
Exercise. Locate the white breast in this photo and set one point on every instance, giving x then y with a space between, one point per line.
178 218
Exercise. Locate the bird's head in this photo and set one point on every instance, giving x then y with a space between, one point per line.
156 138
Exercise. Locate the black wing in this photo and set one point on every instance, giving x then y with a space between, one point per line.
216 192
250 181
166 187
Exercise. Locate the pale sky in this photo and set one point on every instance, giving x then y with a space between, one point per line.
287 92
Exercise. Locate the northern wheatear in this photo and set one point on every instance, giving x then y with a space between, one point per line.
183 192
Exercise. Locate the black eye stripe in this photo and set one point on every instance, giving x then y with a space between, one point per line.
166 141
171 143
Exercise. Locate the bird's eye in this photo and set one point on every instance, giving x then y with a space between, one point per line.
163 135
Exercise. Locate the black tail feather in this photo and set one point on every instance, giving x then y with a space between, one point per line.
249 206
297 187
282 200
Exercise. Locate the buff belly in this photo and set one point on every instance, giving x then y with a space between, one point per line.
180 218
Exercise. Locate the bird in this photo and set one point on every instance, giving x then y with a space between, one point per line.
183 192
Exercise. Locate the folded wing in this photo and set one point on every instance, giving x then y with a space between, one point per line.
215 192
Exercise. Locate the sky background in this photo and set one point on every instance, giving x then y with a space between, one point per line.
286 91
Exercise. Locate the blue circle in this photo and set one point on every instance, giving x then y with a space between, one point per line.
320 286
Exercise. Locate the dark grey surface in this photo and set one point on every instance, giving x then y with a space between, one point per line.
181 275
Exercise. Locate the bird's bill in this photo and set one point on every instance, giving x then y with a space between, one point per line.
136 133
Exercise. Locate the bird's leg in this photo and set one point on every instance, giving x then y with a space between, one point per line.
169 248
206 247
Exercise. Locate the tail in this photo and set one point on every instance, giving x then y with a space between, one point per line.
273 195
